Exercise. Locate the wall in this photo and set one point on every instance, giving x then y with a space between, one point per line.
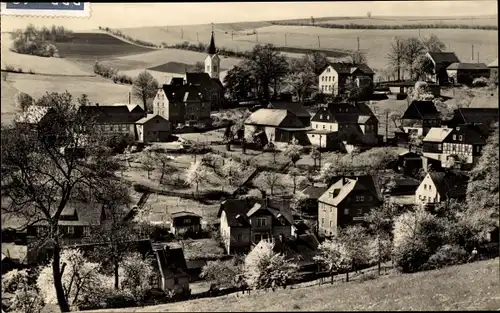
327 219
327 126
328 81
225 230
117 129
182 283
315 139
427 189
270 133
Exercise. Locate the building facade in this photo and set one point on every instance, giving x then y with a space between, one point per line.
334 77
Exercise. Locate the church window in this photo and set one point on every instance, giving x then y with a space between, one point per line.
215 68
208 68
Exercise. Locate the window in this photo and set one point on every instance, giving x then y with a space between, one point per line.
430 187
329 78
71 230
460 137
328 70
157 121
425 186
86 231
208 68
478 149
257 238
360 212
331 127
240 237
361 198
346 211
312 136
316 125
425 198
265 236
322 78
261 221
215 68
324 126
331 210
328 117
321 116
440 147
176 280
454 137
331 223
187 221
322 221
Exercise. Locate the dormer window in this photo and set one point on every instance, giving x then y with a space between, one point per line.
321 116
460 137
215 68
454 137
261 221
328 70
328 117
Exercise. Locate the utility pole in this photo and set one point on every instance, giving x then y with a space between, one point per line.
386 125
256 36
472 52
419 32
197 37
319 149
232 34
285 39
319 43
358 43
129 98
182 33
478 57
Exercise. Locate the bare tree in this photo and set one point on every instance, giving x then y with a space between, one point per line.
433 44
41 174
148 164
357 57
396 55
268 180
199 67
5 75
412 48
294 175
145 87
369 14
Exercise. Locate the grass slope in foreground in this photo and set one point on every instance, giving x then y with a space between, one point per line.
468 287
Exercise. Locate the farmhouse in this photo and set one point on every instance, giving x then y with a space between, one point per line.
345 202
441 60
271 125
153 128
294 107
483 118
441 186
334 77
465 73
419 117
457 146
243 224
313 193
342 124
172 269
493 66
211 86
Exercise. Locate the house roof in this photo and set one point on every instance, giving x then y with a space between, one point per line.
450 184
467 66
184 214
474 116
203 80
444 57
341 190
149 117
294 107
32 115
437 134
233 208
171 262
471 134
344 113
86 214
113 114
269 117
348 68
494 63
211 47
183 93
421 110
314 192
276 212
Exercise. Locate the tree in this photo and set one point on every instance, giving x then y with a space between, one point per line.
23 100
197 174
395 117
166 167
412 48
294 175
231 171
292 151
352 92
315 154
369 14
312 20
396 55
199 67
40 175
147 161
356 250
265 268
423 67
332 254
5 75
267 66
379 249
145 87
357 57
302 83
482 188
317 61
83 100
221 273
298 200
239 82
26 297
137 274
268 180
433 44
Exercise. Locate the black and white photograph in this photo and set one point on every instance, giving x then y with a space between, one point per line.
249 156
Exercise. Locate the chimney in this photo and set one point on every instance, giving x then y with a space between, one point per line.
96 104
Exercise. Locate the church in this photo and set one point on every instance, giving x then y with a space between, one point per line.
189 100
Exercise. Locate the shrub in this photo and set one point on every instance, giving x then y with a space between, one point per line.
5 75
446 255
480 82
19 70
401 96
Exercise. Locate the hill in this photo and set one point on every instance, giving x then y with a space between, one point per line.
468 287
374 42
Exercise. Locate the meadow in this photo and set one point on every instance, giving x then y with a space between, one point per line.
413 20
472 286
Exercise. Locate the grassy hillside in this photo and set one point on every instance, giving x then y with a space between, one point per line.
8 101
467 287
374 42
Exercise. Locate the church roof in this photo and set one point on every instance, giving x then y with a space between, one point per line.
211 48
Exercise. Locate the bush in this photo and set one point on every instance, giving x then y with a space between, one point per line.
446 255
401 96
9 68
480 82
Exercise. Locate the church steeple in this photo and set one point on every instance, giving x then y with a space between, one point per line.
211 48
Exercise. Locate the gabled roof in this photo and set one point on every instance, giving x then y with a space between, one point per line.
421 110
233 208
203 80
494 63
180 92
270 117
437 134
113 114
444 57
474 116
341 190
344 113
467 66
86 215
184 214
32 115
275 212
294 107
450 184
149 117
314 192
349 68
470 135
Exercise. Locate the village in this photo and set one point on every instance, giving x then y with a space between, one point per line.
284 172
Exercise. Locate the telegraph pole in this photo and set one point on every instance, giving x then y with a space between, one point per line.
472 52
386 125
197 37
319 152
232 34
319 46
285 39
358 43
129 98
478 57
419 32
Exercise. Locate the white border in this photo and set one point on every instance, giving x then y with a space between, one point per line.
47 13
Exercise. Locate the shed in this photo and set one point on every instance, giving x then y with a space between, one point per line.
153 128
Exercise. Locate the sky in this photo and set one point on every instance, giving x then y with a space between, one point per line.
122 15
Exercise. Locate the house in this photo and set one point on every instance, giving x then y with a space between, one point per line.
346 123
493 66
463 143
409 162
441 60
483 118
465 73
346 202
112 120
211 86
153 128
402 87
437 187
185 222
172 270
243 224
273 125
419 117
295 107
301 249
335 75
182 104
7 264
313 193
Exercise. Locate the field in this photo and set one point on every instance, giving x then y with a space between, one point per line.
466 287
374 42
400 20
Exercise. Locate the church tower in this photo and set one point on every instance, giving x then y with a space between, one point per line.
212 61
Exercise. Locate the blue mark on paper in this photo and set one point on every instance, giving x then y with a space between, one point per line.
71 6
